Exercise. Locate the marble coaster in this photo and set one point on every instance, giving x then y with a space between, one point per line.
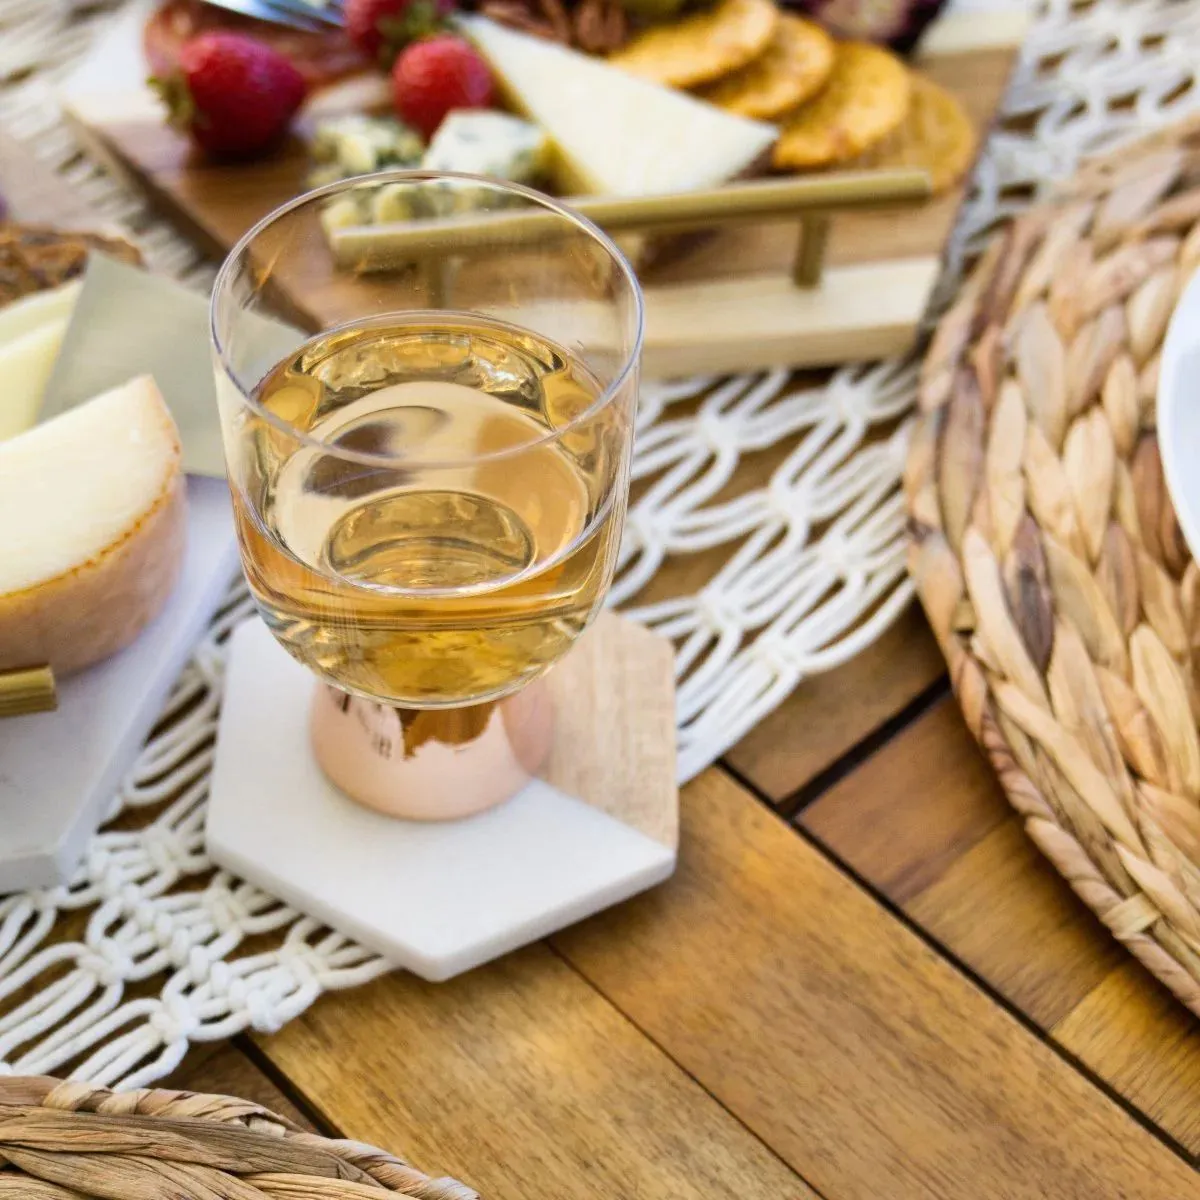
441 897
59 770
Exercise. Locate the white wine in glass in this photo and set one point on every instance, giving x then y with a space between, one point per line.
430 486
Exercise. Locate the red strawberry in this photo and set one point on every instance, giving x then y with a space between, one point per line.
382 28
438 74
234 94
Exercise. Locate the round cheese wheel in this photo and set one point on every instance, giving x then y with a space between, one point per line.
92 529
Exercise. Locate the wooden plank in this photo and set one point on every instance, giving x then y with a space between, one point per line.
1132 1032
722 326
924 820
844 1041
521 1080
871 821
829 714
1002 909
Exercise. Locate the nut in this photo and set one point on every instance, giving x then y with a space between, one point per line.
594 26
600 26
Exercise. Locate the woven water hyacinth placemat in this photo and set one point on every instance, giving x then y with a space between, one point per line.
1045 549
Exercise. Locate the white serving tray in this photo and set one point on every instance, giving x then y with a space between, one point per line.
59 770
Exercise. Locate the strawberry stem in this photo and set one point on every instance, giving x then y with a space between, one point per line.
173 91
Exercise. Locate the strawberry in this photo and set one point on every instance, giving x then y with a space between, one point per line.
441 73
234 94
382 28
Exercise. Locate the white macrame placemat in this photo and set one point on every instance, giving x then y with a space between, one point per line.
163 951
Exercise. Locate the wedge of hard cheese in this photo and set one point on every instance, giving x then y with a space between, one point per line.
92 529
614 133
31 334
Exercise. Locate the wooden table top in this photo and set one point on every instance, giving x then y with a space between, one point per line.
862 982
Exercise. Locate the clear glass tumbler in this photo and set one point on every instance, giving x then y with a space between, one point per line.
427 387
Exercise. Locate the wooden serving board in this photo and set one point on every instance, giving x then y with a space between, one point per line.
727 305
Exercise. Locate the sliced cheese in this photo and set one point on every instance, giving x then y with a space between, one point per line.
25 366
92 511
38 309
616 134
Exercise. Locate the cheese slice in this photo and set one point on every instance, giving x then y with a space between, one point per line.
37 309
616 134
92 529
25 367
31 335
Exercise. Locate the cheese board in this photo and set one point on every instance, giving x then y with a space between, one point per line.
729 301
63 767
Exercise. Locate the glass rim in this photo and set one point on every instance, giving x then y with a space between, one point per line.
402 175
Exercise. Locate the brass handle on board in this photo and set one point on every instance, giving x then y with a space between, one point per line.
27 690
814 199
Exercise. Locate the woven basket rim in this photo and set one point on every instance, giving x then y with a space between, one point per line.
64 1140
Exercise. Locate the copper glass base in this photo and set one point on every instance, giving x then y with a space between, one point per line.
431 764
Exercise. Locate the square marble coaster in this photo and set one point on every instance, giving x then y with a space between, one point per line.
442 897
59 770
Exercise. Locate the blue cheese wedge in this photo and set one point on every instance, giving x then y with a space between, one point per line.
343 147
496 144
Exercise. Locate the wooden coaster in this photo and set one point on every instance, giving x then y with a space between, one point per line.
1046 551
599 825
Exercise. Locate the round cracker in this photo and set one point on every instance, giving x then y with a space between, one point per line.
865 100
937 136
701 47
795 65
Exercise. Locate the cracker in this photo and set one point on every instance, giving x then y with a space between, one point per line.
702 46
937 136
795 66
865 100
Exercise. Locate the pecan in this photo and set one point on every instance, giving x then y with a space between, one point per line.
556 13
600 26
517 14
594 26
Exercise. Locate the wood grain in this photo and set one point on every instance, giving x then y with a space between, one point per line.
520 1079
1133 1033
614 740
885 1072
868 818
1005 912
925 822
829 714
